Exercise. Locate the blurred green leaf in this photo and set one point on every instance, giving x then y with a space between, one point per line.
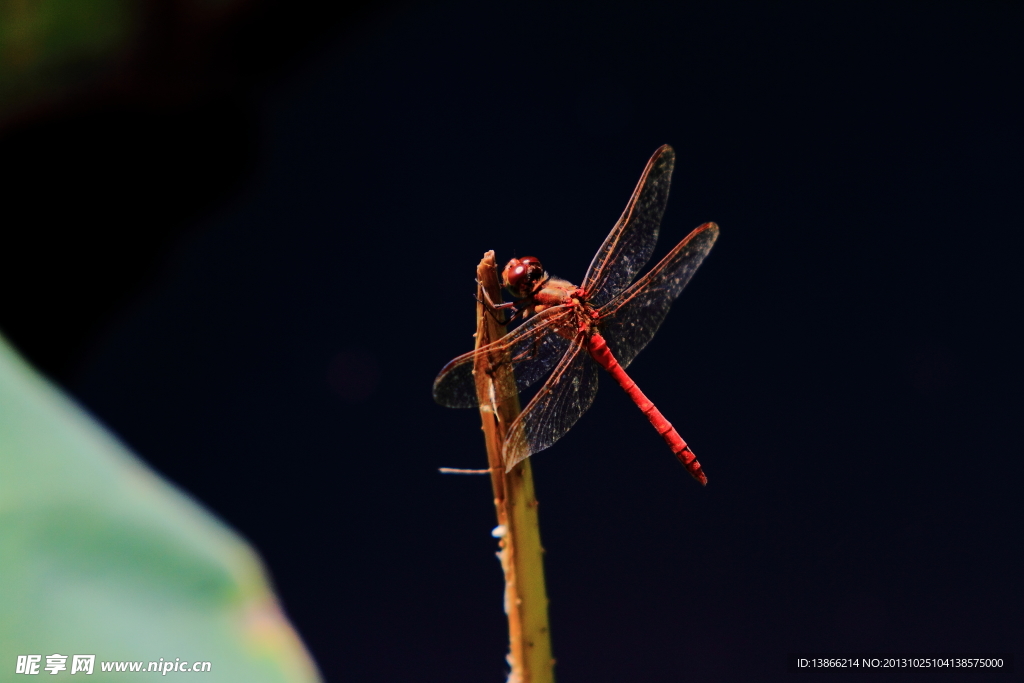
100 556
46 45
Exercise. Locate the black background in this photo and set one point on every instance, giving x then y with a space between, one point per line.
846 363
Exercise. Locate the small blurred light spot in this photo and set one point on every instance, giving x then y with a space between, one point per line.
353 375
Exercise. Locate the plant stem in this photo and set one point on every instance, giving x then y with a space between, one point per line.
526 602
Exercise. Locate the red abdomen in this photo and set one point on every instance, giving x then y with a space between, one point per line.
603 355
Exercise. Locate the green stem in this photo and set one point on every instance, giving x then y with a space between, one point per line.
526 602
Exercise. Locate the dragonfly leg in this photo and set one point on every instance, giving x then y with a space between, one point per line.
493 308
487 300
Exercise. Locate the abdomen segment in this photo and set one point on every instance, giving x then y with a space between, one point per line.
603 355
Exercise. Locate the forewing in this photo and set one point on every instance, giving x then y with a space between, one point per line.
630 320
556 407
631 242
533 348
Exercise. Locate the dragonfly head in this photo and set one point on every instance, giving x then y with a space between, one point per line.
522 275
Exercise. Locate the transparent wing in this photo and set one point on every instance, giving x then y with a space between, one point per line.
630 320
631 242
533 348
556 407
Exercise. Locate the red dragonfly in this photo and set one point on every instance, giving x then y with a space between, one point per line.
606 320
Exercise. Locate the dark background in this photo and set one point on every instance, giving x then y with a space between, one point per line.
253 276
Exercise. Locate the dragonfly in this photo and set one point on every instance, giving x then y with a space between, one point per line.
569 331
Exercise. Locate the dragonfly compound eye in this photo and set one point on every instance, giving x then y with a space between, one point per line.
520 275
